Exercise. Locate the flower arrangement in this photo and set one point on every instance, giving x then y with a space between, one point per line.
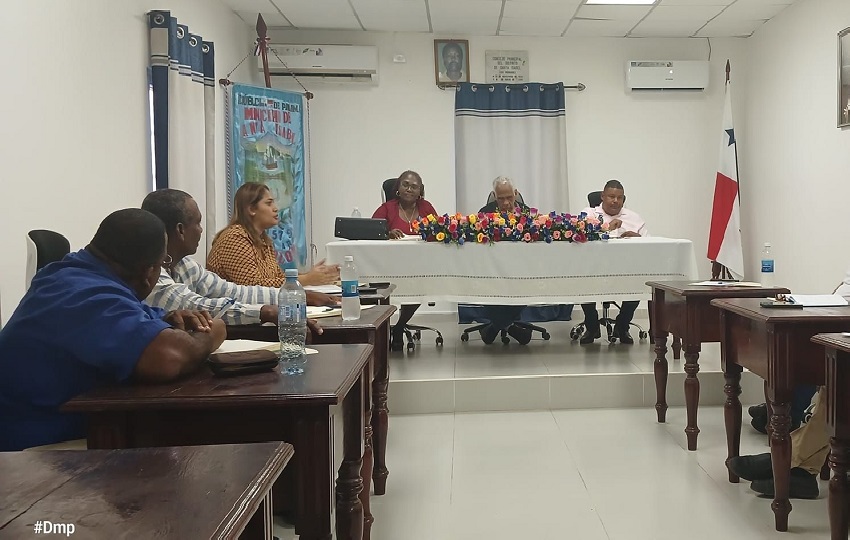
528 226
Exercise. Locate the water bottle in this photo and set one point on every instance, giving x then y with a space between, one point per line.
766 266
350 294
355 212
292 323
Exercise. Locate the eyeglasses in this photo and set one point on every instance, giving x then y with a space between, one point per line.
410 186
167 260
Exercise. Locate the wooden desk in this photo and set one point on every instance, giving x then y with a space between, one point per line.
684 310
775 344
144 492
838 428
373 327
302 409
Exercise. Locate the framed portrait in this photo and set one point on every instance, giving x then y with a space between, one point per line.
451 61
844 78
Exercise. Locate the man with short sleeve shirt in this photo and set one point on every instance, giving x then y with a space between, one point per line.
622 223
83 323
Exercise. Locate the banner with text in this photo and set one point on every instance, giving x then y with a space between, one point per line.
267 146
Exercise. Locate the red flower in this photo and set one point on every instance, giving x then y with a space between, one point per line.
523 219
452 227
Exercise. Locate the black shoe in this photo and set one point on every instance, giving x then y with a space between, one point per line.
801 485
758 411
590 335
489 334
624 336
522 335
751 468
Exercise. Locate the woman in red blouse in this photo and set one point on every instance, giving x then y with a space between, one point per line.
407 206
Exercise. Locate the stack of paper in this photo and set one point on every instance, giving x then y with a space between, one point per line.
327 289
241 345
711 283
817 300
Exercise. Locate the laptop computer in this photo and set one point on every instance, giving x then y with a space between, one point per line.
354 228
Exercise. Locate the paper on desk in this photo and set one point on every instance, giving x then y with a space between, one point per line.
728 283
327 289
241 345
318 312
818 300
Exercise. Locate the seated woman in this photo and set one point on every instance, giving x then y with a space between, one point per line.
407 206
243 252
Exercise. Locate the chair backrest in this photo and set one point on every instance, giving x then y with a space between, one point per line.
492 197
388 189
594 199
43 248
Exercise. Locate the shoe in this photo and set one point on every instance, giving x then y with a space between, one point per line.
758 411
760 424
624 336
589 336
489 334
801 485
522 335
752 468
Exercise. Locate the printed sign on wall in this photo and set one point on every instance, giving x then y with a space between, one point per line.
506 66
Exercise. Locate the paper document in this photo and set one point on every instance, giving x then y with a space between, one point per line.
327 289
318 312
241 345
817 300
711 283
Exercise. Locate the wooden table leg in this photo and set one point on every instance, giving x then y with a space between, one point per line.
366 469
349 510
839 488
692 393
314 483
660 369
380 413
732 413
780 454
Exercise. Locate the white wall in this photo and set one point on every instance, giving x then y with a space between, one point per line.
662 146
794 162
74 140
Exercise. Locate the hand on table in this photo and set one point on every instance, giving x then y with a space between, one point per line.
395 234
629 234
189 320
321 299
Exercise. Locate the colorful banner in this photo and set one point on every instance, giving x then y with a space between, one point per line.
267 146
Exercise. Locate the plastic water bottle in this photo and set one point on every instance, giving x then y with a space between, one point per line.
350 294
767 266
355 212
292 324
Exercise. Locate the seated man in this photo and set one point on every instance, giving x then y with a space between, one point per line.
185 284
83 323
622 223
502 317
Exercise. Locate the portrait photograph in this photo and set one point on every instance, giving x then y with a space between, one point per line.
451 61
844 78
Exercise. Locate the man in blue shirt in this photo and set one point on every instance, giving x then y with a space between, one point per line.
82 323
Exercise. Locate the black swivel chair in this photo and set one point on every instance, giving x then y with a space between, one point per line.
43 248
594 199
413 332
519 324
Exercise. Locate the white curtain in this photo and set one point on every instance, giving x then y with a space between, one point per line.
182 78
513 130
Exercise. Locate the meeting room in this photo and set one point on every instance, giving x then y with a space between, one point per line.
425 269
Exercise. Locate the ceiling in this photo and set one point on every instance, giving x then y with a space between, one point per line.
570 18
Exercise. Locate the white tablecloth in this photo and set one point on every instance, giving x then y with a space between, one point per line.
519 273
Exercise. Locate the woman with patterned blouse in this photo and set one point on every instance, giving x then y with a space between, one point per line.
243 252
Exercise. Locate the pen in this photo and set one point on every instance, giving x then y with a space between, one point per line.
224 309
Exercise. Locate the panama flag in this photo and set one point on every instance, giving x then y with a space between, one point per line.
724 239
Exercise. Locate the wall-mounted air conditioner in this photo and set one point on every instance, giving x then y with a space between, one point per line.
325 63
667 75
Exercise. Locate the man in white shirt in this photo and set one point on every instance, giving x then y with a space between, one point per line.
185 284
622 223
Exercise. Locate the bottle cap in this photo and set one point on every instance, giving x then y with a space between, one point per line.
291 272
349 258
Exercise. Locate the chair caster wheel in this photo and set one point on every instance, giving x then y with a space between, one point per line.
506 340
417 335
612 339
643 334
463 337
546 335
439 341
411 347
575 333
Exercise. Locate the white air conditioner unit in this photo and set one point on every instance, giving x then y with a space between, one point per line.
667 75
325 63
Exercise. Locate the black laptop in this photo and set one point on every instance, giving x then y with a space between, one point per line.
355 228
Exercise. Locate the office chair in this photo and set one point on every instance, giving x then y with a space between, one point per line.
503 333
413 332
43 248
594 199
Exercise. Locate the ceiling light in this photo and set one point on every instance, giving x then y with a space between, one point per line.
621 2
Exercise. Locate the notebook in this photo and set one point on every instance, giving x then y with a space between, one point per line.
353 228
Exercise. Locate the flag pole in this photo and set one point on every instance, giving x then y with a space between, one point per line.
719 271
